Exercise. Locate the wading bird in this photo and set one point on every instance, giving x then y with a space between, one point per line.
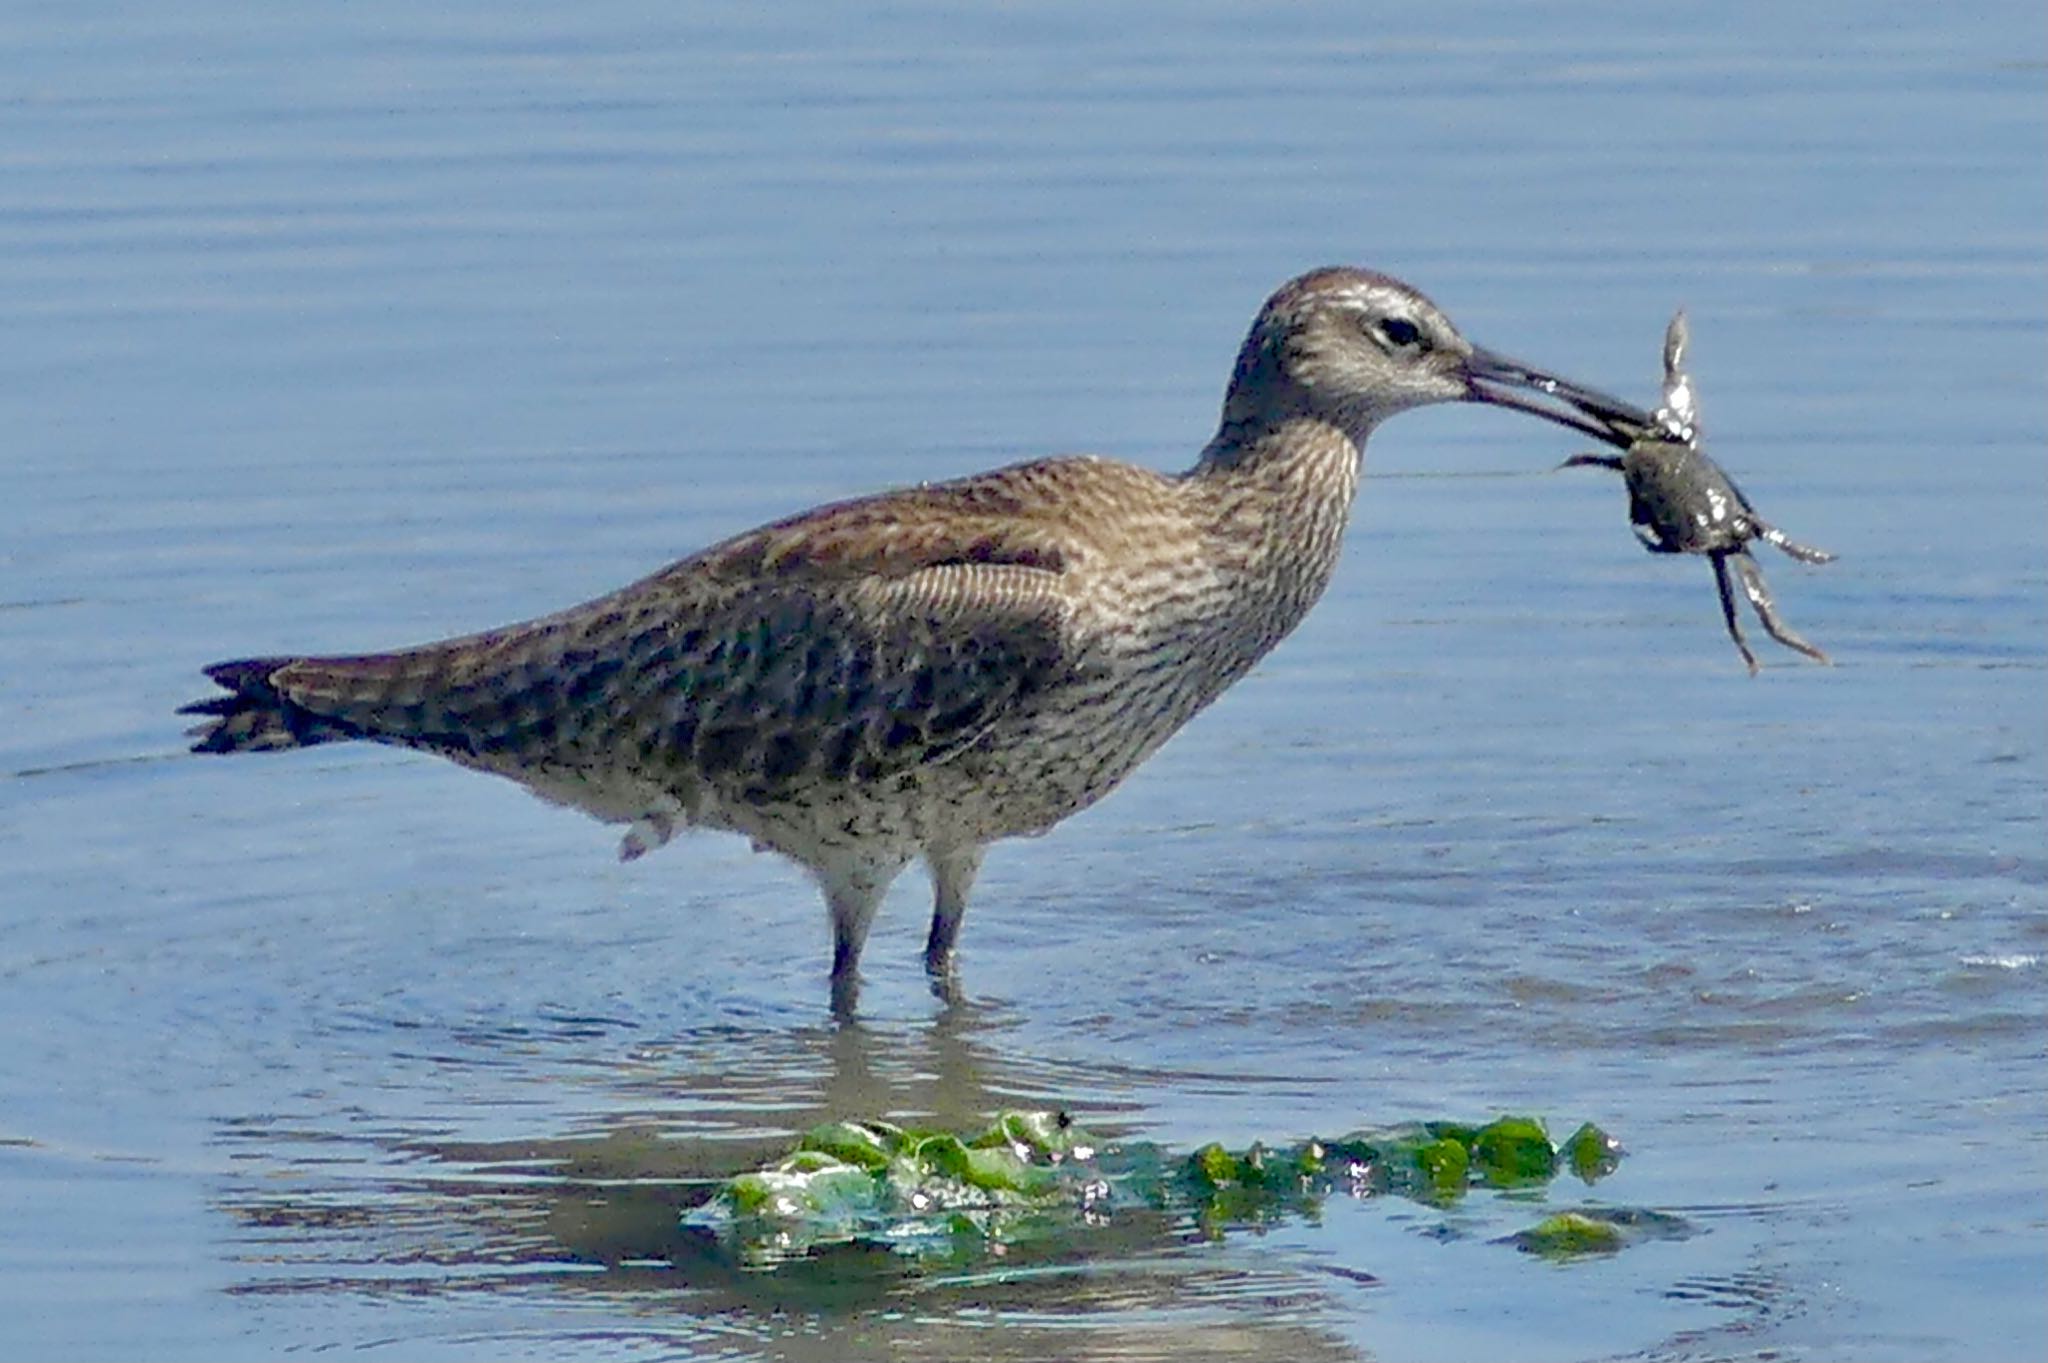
922 672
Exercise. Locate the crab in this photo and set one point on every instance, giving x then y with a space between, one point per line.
1681 502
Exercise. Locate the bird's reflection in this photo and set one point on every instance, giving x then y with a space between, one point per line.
589 1212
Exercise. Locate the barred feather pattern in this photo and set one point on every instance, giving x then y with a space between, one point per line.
921 672
944 665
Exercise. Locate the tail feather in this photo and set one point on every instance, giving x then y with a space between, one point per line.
254 715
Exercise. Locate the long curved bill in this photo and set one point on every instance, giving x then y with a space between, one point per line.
1503 382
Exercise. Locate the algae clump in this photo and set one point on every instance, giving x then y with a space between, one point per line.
1567 1235
1513 1151
1591 1152
1035 1176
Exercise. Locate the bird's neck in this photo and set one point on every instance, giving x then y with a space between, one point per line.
1276 499
1253 448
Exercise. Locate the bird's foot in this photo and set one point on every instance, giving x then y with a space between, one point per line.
943 978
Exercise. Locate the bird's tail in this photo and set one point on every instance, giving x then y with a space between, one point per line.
256 715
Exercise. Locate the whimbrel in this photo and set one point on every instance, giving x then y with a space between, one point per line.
925 671
1681 502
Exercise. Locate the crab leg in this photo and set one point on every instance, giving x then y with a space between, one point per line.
1760 597
1805 553
1605 461
1720 558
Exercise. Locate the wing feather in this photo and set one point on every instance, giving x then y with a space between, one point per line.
854 643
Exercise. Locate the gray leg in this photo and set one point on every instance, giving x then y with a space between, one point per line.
852 894
953 872
1766 611
1720 558
1805 553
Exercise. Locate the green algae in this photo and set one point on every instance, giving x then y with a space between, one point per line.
1514 1152
926 1194
1446 1164
1591 1153
1567 1234
1038 1178
1584 1231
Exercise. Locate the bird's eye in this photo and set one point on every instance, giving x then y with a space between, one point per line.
1399 333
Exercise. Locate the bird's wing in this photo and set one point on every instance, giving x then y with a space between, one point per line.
853 643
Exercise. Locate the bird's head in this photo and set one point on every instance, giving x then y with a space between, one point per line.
1350 347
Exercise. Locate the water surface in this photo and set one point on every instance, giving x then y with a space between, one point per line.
358 326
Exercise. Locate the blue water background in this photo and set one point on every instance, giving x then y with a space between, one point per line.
338 327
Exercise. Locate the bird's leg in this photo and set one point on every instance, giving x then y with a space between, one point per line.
953 871
1720 558
852 894
845 996
1805 553
1767 611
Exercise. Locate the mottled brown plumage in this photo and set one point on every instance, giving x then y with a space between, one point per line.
922 672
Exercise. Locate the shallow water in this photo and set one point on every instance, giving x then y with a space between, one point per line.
377 325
